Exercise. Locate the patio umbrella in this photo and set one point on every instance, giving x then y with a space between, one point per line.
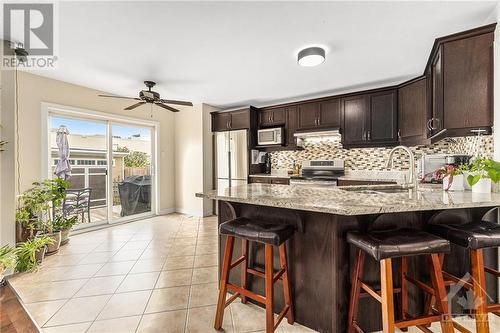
63 168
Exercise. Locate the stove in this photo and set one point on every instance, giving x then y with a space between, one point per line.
319 172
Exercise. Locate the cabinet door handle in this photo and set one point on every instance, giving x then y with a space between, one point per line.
429 125
399 134
368 135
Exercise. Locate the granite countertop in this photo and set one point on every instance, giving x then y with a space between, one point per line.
338 200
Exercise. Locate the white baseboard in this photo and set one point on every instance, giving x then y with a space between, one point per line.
198 213
165 211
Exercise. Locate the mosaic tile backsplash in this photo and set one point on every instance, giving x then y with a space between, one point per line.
375 158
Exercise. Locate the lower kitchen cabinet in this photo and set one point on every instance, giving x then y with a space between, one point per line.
348 182
269 180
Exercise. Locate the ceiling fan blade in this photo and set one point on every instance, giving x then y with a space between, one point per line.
134 106
113 96
167 107
171 101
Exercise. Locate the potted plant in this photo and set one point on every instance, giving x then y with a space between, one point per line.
64 225
482 173
452 178
43 201
7 259
31 253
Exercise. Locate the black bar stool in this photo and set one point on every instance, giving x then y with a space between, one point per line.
383 246
474 236
271 234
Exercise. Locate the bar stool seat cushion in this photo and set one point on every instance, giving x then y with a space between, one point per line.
398 243
258 230
473 235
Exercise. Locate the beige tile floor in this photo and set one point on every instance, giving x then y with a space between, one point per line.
154 275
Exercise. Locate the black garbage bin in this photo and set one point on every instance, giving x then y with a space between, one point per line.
135 195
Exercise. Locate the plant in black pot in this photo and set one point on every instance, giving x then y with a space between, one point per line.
31 253
64 225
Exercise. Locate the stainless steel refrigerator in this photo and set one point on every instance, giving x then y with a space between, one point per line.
231 151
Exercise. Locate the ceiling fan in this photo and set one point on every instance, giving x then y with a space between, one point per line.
149 96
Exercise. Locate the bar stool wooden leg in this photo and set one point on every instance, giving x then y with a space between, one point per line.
479 285
387 293
440 294
357 274
404 296
269 288
286 284
221 303
244 267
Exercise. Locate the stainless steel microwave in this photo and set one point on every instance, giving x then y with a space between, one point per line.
270 136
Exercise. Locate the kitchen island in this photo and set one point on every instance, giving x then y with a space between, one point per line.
320 259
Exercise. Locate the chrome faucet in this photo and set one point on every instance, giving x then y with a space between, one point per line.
412 182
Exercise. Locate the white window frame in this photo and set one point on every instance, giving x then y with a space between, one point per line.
48 109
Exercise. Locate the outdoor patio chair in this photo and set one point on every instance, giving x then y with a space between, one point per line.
77 202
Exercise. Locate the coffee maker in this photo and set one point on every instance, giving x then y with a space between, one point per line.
267 163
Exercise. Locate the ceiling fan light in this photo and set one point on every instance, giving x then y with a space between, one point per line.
311 56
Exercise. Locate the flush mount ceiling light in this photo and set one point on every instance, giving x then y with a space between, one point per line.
311 56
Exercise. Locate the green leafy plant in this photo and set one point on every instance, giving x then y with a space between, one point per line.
8 258
484 168
135 159
64 223
35 204
26 252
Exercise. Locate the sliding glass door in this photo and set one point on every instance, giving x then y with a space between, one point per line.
88 157
132 166
113 162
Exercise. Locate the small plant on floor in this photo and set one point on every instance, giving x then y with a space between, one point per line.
64 224
31 252
7 259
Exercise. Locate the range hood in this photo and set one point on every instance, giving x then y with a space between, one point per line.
317 134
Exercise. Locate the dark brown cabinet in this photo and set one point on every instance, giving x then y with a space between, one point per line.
269 180
435 122
232 120
329 113
383 118
291 126
468 83
307 115
370 120
272 117
461 71
412 111
355 110
316 115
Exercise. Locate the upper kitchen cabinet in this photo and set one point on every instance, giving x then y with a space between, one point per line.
468 83
272 117
291 126
355 110
320 114
461 67
383 118
370 120
234 120
412 111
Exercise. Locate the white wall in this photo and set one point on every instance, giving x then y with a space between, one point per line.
495 17
7 157
193 159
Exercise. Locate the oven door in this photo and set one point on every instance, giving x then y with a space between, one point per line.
271 136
